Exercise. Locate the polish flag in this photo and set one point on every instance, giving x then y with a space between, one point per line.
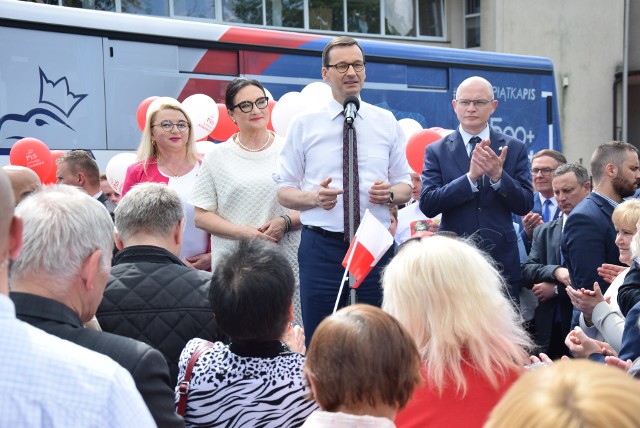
370 242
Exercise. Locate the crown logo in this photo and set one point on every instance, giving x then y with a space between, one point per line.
58 95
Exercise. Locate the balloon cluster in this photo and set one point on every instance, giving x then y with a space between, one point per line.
211 121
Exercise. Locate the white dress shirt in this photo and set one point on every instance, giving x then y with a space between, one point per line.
313 152
47 381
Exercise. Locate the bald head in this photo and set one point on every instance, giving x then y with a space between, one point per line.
23 181
476 82
10 231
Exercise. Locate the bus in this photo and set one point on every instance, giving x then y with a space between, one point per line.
74 78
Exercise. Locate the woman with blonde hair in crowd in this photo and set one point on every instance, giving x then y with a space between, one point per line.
167 154
600 316
453 302
570 394
362 367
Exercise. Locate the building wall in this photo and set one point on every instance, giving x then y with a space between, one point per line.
584 38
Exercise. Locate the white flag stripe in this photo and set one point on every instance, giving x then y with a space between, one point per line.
374 236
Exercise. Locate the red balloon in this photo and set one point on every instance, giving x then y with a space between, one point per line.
272 104
225 127
416 146
141 114
34 154
53 177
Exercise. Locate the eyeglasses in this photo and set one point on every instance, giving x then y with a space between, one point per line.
544 171
342 67
247 106
167 125
478 103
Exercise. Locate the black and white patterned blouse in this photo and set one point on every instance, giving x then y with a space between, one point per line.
264 388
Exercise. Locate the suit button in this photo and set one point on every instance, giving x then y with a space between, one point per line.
480 209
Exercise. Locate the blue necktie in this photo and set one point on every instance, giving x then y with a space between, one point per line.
546 213
473 142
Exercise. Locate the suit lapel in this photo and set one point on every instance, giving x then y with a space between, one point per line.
458 151
556 238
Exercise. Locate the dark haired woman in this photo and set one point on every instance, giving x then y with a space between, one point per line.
235 195
256 380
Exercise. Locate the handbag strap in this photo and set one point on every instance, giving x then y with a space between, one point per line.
183 387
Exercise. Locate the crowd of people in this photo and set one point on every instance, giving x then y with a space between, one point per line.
204 294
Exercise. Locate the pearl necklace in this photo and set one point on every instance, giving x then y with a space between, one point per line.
266 143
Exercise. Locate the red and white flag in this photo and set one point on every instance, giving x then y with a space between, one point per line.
370 243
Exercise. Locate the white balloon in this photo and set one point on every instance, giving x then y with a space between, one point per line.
316 94
117 169
289 105
204 147
409 127
203 112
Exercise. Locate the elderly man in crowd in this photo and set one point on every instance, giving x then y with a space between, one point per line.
151 295
41 374
23 181
59 278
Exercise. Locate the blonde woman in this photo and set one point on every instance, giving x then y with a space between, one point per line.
452 301
167 155
570 394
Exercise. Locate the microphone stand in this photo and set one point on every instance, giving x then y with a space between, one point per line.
353 298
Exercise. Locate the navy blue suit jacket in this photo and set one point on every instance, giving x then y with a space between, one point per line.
588 241
486 213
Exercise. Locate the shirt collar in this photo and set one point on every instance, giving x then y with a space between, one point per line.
552 199
336 109
611 201
7 308
484 134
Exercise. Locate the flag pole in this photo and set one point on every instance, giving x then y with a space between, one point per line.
346 274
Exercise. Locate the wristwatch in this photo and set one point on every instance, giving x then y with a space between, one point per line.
390 198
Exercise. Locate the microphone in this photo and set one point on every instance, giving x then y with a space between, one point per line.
351 106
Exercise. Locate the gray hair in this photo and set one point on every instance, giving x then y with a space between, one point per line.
150 208
581 172
62 227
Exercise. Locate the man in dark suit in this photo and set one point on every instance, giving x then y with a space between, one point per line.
58 280
78 168
544 271
474 188
545 207
588 239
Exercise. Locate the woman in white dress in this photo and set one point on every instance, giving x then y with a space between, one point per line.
234 194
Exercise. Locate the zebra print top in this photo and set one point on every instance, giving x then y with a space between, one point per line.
234 391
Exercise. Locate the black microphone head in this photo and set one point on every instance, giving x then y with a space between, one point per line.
352 100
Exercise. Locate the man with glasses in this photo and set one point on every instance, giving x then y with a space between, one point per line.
545 207
477 177
312 179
